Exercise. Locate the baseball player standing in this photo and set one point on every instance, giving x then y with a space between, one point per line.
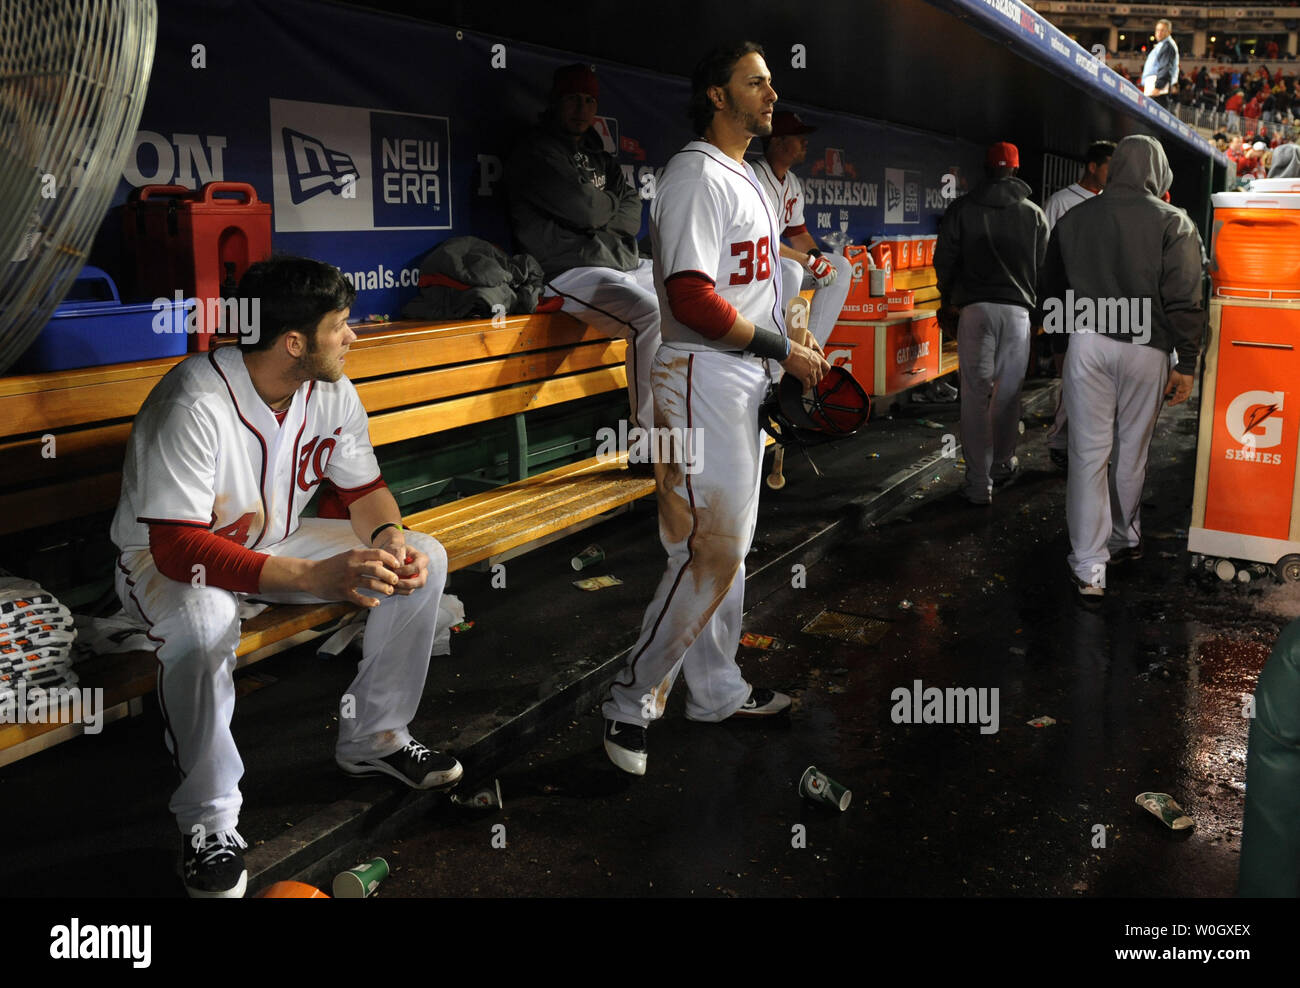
1131 250
1096 169
716 242
802 264
225 453
575 212
991 246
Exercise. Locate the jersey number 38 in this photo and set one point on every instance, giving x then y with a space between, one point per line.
748 252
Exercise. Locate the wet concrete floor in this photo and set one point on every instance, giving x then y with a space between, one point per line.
1147 693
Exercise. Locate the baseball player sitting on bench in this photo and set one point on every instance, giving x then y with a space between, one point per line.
224 455
802 264
574 211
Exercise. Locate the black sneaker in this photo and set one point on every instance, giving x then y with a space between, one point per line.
417 766
1127 553
215 868
1006 474
625 745
763 702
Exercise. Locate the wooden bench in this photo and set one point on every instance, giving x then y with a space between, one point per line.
64 434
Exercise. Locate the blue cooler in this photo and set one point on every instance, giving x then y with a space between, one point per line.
92 327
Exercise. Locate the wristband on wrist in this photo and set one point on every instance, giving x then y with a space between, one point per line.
813 252
387 524
769 343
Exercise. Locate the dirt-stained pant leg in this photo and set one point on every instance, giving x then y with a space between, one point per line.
707 515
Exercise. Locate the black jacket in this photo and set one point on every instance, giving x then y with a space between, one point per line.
991 244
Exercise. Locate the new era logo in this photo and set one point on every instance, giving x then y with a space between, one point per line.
313 168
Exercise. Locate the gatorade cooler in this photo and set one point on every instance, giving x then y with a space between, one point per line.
931 242
1256 250
1270 185
1246 503
199 243
888 354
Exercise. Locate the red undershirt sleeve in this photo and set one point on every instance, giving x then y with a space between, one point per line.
697 305
335 502
177 549
794 231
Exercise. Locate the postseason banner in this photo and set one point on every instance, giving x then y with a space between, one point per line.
375 138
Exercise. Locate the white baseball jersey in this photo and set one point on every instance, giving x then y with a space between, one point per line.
206 450
704 218
1062 201
786 196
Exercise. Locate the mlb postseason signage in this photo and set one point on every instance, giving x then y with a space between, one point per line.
375 138
1032 37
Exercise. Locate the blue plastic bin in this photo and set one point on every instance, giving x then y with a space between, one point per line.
92 327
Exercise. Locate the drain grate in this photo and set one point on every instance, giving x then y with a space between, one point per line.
847 627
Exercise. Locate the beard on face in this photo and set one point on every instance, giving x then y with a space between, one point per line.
753 123
314 366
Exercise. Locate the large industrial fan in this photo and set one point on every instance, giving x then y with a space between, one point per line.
73 75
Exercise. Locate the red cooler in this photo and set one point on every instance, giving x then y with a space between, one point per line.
199 243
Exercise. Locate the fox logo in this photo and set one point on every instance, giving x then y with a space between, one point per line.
314 168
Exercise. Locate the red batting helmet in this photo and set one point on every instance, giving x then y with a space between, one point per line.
835 409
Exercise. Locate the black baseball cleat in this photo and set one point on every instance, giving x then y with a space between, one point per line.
215 868
1060 459
625 745
415 765
763 702
1127 553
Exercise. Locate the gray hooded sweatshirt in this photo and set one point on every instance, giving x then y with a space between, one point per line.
1286 162
1135 258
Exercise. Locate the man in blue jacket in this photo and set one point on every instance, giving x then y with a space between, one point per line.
1160 71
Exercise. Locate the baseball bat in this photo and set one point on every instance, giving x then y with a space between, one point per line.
776 479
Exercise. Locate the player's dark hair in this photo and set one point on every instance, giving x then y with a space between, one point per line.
293 293
1099 153
715 69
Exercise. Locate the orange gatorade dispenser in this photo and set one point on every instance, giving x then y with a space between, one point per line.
1256 245
1244 505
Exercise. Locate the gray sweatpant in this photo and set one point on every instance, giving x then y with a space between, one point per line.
993 348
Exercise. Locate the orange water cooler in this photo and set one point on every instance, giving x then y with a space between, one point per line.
1246 503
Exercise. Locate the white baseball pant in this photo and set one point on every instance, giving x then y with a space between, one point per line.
623 304
706 523
197 630
827 303
993 350
1058 436
1113 391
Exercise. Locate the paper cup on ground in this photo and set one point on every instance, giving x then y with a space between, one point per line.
821 788
484 798
361 881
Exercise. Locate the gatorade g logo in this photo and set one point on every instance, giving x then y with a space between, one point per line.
857 270
841 358
1252 420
